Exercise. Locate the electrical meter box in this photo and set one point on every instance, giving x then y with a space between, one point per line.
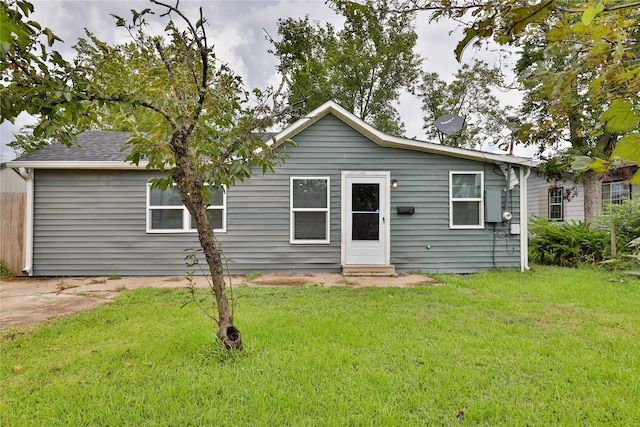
493 206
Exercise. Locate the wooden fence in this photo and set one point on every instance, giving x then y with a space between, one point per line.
12 226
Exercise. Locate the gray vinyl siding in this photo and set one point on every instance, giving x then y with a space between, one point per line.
93 222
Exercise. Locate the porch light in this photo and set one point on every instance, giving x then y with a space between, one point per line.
394 183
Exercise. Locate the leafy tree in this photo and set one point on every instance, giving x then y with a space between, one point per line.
579 65
469 95
203 127
364 66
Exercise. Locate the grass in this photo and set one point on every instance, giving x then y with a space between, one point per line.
550 347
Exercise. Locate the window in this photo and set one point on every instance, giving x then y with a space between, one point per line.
466 203
167 214
615 192
309 209
555 204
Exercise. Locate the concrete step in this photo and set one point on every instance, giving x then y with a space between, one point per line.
368 270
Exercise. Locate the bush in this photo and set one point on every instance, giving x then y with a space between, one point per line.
5 271
625 219
566 244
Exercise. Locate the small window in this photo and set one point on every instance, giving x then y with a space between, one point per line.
466 203
555 204
167 214
615 192
309 209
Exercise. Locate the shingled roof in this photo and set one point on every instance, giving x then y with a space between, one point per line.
91 146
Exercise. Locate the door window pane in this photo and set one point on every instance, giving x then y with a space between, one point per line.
365 197
365 226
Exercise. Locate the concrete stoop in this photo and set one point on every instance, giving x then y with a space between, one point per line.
369 270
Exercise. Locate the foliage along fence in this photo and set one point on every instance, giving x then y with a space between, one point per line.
12 227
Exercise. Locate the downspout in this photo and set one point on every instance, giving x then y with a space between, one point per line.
27 174
524 214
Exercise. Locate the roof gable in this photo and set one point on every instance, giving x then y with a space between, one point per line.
385 140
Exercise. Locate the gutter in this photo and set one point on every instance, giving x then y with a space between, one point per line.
27 174
524 220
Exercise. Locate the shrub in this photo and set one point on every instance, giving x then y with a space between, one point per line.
567 244
5 271
625 219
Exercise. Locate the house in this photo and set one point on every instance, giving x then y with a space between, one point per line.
564 200
13 189
347 196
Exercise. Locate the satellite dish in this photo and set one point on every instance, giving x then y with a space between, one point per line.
450 123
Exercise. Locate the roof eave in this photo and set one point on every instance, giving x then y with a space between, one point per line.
114 165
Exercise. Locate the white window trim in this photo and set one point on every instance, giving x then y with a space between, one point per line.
628 192
292 211
186 216
471 199
561 204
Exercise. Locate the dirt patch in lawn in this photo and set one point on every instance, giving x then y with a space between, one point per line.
25 301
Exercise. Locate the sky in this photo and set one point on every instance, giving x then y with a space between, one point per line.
238 29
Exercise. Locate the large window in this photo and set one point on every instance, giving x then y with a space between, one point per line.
555 204
615 192
167 214
309 209
466 203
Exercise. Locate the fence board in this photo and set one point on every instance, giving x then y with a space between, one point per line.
12 227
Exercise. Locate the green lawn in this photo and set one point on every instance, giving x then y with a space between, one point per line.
550 347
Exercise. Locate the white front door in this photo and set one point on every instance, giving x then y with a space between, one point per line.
365 218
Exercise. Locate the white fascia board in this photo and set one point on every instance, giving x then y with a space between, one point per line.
76 165
306 121
462 153
385 140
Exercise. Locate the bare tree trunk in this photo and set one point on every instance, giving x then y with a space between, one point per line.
190 188
227 332
592 182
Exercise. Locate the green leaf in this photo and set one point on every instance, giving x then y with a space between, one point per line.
628 148
599 165
581 163
26 7
523 16
591 12
620 117
482 29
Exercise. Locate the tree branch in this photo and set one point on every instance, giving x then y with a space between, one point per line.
203 51
415 6
167 64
